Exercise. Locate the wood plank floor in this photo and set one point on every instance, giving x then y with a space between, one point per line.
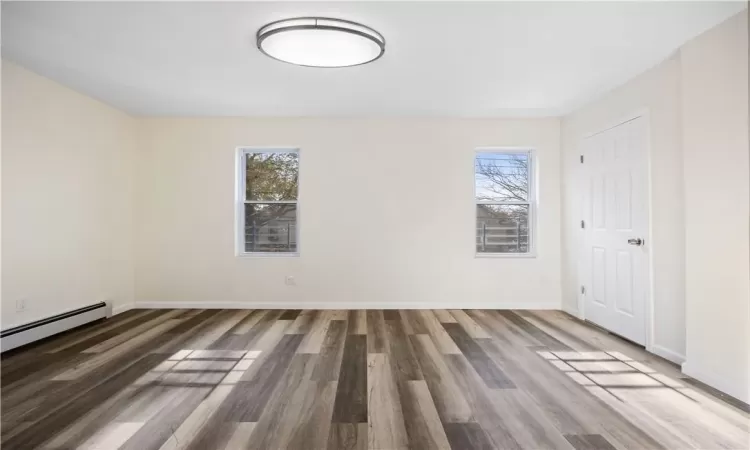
393 379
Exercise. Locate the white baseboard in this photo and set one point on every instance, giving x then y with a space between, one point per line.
714 380
667 354
572 311
122 308
341 305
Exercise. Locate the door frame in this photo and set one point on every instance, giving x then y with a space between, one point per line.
581 247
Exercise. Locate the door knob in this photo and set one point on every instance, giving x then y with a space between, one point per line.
635 241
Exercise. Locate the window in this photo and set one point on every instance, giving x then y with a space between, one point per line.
267 201
504 199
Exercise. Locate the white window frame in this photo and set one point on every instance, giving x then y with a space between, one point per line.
240 201
532 201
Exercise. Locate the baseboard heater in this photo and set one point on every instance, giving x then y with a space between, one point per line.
42 328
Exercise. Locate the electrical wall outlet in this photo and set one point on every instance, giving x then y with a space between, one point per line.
21 304
289 281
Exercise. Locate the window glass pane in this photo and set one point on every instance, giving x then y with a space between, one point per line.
271 176
270 227
502 228
502 176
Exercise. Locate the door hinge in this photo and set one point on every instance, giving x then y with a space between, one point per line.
583 289
583 224
581 159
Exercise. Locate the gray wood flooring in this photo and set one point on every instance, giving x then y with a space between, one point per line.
359 379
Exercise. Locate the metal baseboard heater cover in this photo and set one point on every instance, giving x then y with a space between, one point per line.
42 328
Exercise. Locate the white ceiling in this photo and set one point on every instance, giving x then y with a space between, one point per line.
483 59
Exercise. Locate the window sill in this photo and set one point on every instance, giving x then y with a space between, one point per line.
268 255
504 255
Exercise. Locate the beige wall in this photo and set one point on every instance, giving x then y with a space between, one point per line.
67 166
717 206
386 211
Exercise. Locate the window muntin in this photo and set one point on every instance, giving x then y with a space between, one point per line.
504 202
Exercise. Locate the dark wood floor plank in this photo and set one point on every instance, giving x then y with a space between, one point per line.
449 400
110 410
314 338
351 395
471 327
34 388
544 339
589 442
421 419
94 333
437 333
222 326
259 332
526 421
413 321
186 331
69 411
157 432
249 399
331 352
251 390
504 331
74 383
231 330
467 436
41 365
100 360
290 314
357 321
402 357
303 322
312 426
478 398
485 367
376 339
129 333
255 316
300 412
564 335
105 381
391 314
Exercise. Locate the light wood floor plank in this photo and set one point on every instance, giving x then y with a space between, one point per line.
421 420
385 418
473 329
443 315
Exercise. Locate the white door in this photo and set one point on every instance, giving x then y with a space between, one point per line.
616 241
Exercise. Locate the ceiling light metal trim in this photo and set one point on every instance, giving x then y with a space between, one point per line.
331 24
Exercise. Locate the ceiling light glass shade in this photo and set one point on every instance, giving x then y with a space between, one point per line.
320 42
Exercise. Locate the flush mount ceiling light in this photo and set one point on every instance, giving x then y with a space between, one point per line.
320 42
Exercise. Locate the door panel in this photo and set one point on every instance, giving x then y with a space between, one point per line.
599 279
623 196
616 271
624 274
